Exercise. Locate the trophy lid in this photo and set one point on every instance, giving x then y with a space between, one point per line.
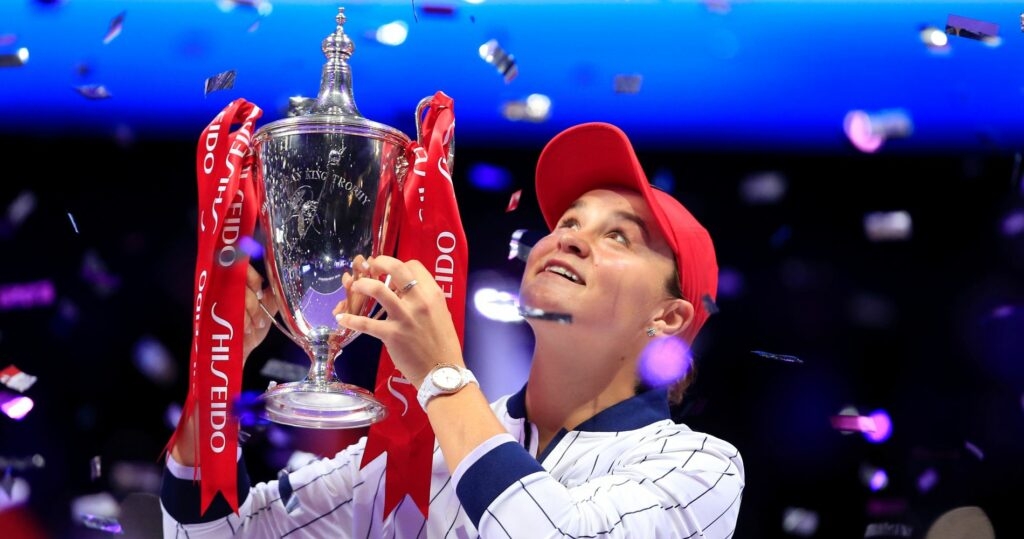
334 108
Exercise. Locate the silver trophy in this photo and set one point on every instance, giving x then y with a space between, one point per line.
329 183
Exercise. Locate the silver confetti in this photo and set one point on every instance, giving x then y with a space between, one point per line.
221 81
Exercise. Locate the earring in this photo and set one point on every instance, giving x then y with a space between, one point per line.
651 332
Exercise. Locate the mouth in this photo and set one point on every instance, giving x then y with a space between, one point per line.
564 272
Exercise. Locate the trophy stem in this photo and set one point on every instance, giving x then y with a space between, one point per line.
321 372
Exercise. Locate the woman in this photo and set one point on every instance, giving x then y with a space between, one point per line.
586 448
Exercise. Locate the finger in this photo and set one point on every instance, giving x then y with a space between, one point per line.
253 279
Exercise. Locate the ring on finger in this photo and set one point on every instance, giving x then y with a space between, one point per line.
405 289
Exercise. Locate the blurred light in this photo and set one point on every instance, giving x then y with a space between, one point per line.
730 283
251 247
536 108
1013 224
935 39
21 207
763 188
392 33
873 477
975 450
154 361
489 177
664 179
927 480
16 491
799 521
497 305
868 131
883 427
888 226
663 361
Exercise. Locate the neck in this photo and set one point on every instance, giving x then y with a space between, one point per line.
572 381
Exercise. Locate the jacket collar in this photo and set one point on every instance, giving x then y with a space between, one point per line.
632 413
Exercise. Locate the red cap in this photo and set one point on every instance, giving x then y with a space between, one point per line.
599 155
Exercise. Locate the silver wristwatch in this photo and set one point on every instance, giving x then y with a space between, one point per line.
444 379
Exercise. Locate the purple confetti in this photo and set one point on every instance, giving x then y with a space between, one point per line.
975 450
493 54
853 423
115 28
628 84
15 59
221 81
927 480
26 295
970 28
93 91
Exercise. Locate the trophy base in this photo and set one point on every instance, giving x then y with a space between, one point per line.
334 405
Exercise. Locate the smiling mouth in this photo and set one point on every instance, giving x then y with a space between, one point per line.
559 270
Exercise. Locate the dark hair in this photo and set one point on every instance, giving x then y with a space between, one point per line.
677 389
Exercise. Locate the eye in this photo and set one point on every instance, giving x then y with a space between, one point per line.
569 222
619 236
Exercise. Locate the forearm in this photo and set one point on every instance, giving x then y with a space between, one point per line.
184 449
461 422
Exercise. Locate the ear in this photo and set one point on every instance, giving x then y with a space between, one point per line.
675 317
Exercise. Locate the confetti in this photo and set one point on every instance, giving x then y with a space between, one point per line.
437 9
799 521
852 423
73 224
102 523
780 357
26 295
540 314
627 84
95 468
21 207
94 271
7 39
15 59
521 242
971 28
868 131
93 91
975 450
15 406
15 379
712 308
494 54
513 201
115 28
888 530
536 108
35 461
221 81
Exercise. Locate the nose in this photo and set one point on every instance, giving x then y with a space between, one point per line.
571 241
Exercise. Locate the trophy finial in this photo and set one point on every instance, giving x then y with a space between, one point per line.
335 96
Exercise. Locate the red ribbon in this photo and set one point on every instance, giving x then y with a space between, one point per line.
431 232
227 213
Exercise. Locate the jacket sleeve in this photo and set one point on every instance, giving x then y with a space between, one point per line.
668 486
270 509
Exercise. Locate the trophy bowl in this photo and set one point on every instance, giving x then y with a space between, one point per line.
328 183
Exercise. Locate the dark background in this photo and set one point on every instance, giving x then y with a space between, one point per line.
929 328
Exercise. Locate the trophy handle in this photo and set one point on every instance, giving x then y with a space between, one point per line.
422 106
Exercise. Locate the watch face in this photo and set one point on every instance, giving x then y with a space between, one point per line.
447 378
